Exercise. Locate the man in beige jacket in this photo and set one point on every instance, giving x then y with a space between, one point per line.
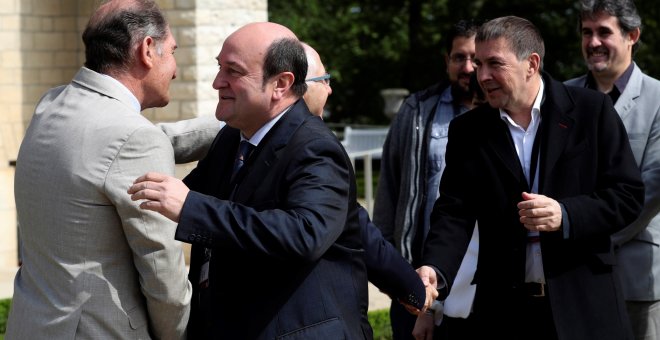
94 264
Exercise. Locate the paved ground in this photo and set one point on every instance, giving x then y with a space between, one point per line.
7 282
377 300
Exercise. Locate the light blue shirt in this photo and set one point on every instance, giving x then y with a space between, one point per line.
444 113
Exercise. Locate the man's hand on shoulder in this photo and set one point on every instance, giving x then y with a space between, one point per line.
163 194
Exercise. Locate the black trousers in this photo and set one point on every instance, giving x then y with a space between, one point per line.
533 322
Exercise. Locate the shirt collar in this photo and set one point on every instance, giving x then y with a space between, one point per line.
620 83
261 133
625 77
134 101
536 109
446 96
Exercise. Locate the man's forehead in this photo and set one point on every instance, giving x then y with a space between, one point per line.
237 55
462 43
601 19
493 46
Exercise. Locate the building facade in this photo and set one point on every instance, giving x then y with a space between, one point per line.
41 47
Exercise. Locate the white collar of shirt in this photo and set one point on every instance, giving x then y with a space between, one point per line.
134 101
536 112
261 133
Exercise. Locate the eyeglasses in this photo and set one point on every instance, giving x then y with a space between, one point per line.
325 79
461 59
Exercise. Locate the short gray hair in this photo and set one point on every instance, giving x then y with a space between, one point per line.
521 35
109 41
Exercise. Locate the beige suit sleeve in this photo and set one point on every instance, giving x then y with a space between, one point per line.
191 138
157 256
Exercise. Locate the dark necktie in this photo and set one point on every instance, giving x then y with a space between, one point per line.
244 150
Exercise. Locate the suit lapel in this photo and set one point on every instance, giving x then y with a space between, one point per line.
626 101
555 122
223 163
268 151
500 142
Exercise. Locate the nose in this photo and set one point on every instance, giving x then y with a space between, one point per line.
217 82
329 90
594 41
468 67
482 74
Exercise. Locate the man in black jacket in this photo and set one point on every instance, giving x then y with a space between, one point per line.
411 166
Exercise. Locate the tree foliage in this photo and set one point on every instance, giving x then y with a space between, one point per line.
369 45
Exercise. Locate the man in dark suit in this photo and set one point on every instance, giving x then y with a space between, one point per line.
386 268
276 245
548 173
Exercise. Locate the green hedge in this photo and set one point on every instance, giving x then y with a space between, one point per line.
4 313
379 320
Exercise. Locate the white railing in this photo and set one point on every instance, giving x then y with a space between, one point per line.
365 144
368 156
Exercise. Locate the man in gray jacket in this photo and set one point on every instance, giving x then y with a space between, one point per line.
610 36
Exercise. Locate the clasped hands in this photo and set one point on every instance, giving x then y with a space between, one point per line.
539 212
162 193
425 318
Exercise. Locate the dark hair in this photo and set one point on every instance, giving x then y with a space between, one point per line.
287 55
624 10
463 29
521 35
110 40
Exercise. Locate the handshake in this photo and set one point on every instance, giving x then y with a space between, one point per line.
430 280
432 312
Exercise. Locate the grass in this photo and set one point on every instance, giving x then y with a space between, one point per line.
5 304
359 178
380 323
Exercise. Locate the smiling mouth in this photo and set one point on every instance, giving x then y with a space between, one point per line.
491 90
598 53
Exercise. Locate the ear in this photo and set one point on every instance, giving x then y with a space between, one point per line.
282 83
147 51
634 35
534 61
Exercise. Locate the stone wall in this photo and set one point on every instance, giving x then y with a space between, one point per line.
41 47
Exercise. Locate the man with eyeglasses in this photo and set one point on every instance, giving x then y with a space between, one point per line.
411 166
318 82
386 268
